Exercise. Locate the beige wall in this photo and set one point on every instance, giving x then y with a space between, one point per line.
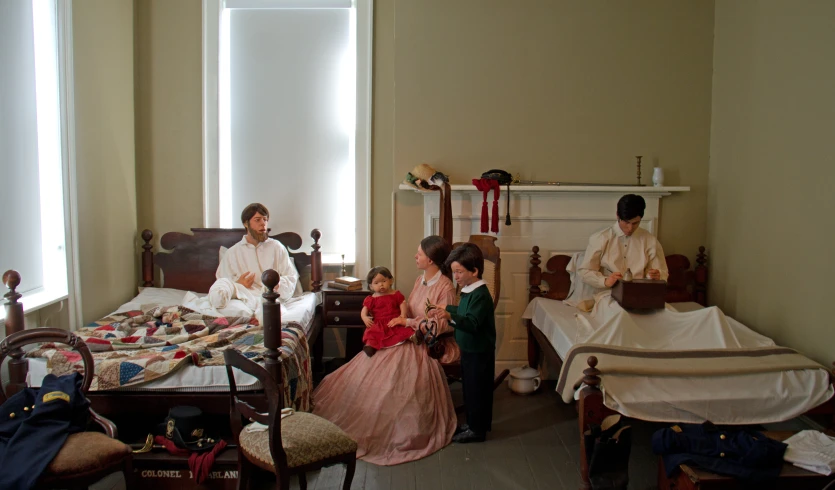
772 167
555 90
169 154
105 153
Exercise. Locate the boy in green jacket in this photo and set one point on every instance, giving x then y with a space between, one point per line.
475 332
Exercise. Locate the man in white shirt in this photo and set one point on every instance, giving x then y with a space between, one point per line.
245 261
625 245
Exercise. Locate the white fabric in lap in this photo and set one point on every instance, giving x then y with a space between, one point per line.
776 396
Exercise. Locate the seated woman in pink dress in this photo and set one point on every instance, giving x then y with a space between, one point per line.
397 404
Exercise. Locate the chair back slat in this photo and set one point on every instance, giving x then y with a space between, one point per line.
23 338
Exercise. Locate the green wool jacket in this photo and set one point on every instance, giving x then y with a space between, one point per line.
475 321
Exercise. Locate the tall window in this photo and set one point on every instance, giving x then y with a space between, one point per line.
32 150
293 106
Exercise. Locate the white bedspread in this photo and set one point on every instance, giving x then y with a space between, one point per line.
731 399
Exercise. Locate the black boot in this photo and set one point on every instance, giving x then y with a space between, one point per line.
609 463
605 430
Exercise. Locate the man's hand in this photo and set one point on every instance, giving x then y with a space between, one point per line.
654 274
398 321
247 279
611 280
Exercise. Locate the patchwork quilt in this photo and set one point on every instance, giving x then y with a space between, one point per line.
134 347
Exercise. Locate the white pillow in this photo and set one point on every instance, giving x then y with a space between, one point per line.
581 295
150 297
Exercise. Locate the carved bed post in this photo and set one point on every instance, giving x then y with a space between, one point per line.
316 262
272 323
534 279
14 323
147 260
590 410
700 287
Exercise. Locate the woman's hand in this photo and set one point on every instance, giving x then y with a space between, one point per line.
440 314
398 321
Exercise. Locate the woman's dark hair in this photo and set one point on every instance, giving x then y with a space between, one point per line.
469 256
631 206
378 270
437 249
250 211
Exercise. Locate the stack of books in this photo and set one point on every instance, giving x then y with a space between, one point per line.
346 283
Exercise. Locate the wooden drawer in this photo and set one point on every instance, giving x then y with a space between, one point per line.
345 302
337 318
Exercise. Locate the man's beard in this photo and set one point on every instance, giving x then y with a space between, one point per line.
258 236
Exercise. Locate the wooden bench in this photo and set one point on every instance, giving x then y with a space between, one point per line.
693 478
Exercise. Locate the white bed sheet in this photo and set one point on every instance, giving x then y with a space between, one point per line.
722 400
193 379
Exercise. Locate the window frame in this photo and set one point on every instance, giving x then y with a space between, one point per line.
211 152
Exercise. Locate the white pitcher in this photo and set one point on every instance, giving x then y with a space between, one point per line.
657 177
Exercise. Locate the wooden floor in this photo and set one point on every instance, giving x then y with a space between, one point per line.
533 445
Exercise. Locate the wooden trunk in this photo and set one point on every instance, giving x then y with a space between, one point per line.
640 294
159 470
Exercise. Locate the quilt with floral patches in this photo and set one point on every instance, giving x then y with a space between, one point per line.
135 347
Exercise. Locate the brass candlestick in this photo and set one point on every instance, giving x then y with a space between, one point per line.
639 170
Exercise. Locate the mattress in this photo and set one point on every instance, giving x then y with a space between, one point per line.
722 400
193 379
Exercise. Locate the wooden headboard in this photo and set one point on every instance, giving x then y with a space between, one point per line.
682 285
191 261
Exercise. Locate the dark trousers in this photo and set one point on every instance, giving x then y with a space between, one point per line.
478 371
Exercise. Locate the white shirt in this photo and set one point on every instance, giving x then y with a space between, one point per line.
245 257
469 288
611 250
433 281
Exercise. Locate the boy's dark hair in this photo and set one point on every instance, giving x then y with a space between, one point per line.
469 256
631 206
437 249
250 211
378 270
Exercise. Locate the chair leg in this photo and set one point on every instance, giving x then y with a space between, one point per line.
350 467
130 477
498 381
302 481
283 480
244 471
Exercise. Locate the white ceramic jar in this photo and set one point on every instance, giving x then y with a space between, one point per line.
524 380
657 177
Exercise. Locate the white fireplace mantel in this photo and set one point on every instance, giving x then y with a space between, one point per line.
557 219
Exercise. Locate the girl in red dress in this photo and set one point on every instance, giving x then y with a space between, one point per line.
380 313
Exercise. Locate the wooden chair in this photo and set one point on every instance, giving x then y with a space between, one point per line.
300 443
85 457
492 277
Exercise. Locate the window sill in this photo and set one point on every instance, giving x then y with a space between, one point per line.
34 302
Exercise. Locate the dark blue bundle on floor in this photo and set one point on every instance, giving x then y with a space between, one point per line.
35 423
743 454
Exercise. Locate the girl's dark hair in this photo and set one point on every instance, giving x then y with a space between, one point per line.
437 249
469 256
378 270
250 211
631 206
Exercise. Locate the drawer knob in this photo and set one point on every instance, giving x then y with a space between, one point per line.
337 302
336 319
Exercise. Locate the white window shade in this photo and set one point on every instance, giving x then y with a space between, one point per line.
288 91
20 241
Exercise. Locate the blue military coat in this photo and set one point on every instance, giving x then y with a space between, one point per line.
35 423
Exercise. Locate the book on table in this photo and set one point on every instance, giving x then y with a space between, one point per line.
345 287
348 280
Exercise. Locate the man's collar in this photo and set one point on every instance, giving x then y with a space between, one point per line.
470 288
246 242
618 232
433 281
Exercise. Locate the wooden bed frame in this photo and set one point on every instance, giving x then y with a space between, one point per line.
683 285
190 264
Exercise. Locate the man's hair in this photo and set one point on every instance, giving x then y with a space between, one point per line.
250 211
631 206
378 270
469 256
437 249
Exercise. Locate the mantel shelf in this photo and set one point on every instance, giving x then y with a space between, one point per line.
620 189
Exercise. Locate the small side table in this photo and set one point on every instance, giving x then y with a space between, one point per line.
342 309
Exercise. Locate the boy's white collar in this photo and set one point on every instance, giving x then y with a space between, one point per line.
470 288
